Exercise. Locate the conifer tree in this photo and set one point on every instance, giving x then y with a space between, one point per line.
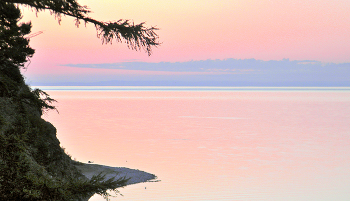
33 166
136 36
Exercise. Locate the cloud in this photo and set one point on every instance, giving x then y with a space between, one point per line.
228 72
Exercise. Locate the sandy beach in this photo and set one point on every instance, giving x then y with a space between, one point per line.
136 176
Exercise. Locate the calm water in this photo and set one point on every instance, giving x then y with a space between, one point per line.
214 144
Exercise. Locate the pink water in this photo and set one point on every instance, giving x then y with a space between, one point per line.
214 145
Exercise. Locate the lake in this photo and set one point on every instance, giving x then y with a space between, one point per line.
213 143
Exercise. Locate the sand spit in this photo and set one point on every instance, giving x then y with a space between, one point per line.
136 176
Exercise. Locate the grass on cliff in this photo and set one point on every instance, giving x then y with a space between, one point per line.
33 166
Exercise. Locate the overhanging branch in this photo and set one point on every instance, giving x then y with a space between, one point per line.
136 37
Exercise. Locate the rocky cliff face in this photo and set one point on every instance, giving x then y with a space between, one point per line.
33 166
20 117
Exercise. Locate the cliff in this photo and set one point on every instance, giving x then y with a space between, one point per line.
32 163
33 166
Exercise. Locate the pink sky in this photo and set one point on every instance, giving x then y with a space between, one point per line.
199 30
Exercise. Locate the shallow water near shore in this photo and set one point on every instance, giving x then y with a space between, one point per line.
228 144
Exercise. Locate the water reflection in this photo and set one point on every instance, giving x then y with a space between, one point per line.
214 145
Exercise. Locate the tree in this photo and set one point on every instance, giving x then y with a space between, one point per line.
33 166
137 36
14 47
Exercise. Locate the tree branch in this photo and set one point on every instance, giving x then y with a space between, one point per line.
136 37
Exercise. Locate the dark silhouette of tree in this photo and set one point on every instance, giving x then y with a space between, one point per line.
33 166
14 48
136 36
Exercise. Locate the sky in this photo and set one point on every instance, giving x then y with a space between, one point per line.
190 30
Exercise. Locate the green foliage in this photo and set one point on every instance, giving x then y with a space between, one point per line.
40 99
97 184
33 166
14 46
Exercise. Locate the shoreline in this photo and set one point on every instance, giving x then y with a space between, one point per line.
136 176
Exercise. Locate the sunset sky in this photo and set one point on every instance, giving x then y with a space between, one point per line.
192 30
